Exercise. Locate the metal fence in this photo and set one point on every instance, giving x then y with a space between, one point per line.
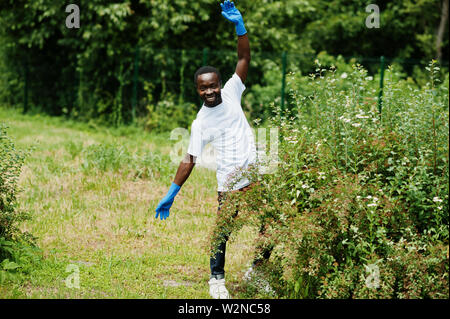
156 73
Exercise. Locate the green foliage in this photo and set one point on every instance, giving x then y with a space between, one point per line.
355 190
105 157
18 259
87 73
261 95
118 158
168 113
11 161
17 251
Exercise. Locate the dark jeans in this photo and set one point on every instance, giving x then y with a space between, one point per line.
217 262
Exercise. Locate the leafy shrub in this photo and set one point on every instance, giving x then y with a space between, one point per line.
11 162
17 251
358 207
257 100
168 113
19 258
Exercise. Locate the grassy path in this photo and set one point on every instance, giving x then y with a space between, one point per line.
99 220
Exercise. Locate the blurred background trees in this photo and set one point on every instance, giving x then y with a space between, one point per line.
90 72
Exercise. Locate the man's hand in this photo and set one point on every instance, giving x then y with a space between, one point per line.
230 12
164 205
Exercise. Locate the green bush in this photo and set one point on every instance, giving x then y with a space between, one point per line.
17 251
11 161
261 95
358 207
169 113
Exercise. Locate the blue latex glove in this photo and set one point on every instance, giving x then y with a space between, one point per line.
164 205
230 12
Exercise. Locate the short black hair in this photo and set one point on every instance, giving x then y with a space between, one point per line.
207 69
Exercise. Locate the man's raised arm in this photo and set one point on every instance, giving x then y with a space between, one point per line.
231 13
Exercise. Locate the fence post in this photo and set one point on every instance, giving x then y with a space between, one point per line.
25 90
205 56
183 65
135 84
80 90
283 79
380 94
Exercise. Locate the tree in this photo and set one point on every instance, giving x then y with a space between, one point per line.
87 72
441 29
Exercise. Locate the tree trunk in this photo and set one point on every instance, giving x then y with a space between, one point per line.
441 29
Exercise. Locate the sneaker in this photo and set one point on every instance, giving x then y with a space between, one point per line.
217 289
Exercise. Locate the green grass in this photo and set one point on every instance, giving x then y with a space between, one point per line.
101 218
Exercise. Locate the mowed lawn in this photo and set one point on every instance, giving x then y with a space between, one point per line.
102 221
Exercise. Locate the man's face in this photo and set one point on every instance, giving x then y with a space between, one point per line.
208 87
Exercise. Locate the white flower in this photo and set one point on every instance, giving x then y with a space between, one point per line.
439 208
344 75
356 124
342 118
437 200
372 205
369 78
305 186
361 116
291 139
347 104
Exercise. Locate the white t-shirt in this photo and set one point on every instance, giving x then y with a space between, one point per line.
226 127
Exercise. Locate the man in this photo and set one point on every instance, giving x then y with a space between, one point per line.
220 121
